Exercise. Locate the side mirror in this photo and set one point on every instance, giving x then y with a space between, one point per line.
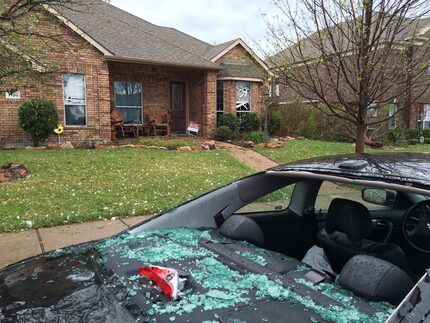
379 196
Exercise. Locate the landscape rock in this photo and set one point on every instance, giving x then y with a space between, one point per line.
275 145
171 148
6 166
211 144
185 148
205 147
288 138
127 146
152 147
139 146
67 145
198 148
262 145
3 178
28 147
40 148
90 145
248 144
13 171
79 145
54 146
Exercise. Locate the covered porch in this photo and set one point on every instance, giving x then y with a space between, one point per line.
163 100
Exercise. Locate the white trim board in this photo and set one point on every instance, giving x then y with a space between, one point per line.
246 79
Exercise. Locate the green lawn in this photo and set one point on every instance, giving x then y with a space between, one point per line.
73 186
303 149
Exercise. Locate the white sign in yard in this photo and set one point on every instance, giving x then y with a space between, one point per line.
193 127
13 95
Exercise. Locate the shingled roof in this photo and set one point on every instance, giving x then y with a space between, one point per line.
123 36
310 47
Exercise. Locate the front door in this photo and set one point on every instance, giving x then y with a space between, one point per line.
178 107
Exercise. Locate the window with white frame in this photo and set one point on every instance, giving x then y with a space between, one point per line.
392 114
243 98
75 109
128 101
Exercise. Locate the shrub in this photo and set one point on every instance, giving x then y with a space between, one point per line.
256 137
413 141
223 133
228 120
427 141
426 133
38 118
250 122
412 133
396 136
274 122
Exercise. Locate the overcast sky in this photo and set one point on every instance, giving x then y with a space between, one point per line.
213 21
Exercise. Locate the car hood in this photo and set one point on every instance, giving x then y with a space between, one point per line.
57 286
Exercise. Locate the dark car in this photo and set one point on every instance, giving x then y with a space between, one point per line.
339 239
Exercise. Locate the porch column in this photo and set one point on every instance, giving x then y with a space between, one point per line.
209 103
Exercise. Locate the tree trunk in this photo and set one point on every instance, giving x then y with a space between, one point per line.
360 140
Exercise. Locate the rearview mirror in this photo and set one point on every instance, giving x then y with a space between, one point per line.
379 196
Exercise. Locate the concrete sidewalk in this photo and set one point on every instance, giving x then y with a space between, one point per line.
21 245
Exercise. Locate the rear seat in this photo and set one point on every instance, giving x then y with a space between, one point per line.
243 229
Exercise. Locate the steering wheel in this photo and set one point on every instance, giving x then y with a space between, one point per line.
416 226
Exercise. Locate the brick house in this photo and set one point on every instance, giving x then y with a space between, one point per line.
113 59
399 112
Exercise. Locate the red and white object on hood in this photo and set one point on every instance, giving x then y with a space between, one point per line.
167 279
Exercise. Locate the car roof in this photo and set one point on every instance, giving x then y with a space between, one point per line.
413 168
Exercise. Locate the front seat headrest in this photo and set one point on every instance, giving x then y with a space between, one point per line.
349 217
239 227
375 279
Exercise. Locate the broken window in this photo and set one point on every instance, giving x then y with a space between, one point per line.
128 101
243 98
74 100
219 99
277 89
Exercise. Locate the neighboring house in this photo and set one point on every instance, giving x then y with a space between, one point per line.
413 115
113 59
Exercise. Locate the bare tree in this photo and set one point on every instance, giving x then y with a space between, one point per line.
342 56
23 45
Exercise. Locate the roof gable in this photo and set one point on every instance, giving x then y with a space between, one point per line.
226 47
121 36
